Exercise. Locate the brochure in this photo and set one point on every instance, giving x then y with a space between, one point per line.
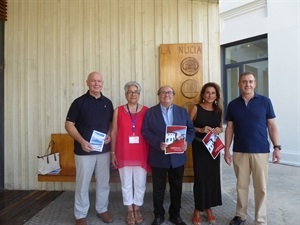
57 171
175 138
213 144
97 140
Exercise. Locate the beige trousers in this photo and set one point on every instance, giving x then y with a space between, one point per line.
244 165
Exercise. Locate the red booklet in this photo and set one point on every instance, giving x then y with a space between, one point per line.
175 138
213 144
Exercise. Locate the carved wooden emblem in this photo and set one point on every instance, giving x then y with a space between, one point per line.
189 66
190 88
189 105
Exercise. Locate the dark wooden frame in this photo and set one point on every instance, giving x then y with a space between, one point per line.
2 23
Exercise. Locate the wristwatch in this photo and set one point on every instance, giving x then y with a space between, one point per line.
277 146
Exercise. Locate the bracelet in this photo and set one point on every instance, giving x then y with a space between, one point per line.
112 152
277 146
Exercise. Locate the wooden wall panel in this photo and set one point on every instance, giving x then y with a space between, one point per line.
51 46
181 67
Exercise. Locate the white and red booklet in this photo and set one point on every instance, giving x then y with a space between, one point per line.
175 138
213 144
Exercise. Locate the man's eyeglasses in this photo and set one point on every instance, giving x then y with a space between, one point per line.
166 92
132 92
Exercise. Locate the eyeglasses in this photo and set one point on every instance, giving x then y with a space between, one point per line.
166 92
132 92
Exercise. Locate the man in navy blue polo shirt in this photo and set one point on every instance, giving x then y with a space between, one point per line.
91 112
250 118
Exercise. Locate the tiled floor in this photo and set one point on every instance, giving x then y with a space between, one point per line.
283 203
60 211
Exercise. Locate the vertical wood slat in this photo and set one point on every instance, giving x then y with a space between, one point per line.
51 46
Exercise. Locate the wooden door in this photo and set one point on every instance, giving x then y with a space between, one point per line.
181 67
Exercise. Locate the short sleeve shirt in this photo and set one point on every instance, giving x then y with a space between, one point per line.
89 114
250 123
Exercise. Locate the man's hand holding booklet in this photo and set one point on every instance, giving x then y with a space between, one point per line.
97 140
175 139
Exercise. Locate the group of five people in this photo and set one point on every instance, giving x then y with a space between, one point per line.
135 145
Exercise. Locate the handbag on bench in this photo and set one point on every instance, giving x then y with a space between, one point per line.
49 162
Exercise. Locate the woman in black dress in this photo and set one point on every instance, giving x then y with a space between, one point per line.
206 117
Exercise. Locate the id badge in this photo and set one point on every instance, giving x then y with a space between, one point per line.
134 140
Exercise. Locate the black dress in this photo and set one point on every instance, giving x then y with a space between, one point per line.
207 181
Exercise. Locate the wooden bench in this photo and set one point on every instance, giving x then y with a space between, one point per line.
64 144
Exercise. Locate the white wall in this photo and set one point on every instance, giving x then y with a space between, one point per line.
280 20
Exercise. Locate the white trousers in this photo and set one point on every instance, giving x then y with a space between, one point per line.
86 166
133 184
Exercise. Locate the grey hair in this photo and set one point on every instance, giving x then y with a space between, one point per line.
132 83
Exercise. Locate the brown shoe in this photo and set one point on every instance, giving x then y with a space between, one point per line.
105 217
81 221
130 218
138 216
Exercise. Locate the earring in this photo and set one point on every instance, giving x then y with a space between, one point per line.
216 102
203 100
